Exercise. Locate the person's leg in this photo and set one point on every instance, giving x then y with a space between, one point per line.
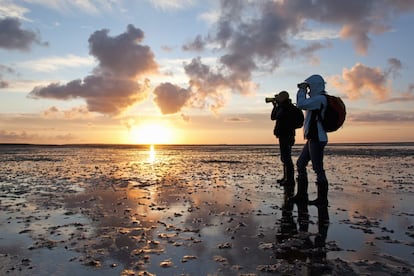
316 152
290 169
286 144
303 160
316 149
282 147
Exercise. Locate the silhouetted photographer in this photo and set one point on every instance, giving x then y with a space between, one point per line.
288 117
311 98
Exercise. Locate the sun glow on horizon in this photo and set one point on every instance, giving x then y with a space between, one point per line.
151 134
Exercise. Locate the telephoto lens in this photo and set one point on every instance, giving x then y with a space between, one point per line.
269 100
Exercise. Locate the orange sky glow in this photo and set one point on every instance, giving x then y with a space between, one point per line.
149 72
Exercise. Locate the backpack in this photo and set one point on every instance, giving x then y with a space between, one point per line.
335 113
297 117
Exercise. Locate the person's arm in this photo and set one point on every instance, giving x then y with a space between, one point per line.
312 103
275 112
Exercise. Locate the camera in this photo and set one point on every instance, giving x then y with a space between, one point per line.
278 98
303 85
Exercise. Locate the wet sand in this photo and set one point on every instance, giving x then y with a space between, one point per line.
213 210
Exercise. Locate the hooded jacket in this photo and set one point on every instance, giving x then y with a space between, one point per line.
313 103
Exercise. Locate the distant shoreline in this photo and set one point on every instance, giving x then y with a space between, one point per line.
200 145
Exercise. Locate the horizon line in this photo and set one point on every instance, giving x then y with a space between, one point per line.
192 144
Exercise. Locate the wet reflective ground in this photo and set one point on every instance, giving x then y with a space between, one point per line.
198 210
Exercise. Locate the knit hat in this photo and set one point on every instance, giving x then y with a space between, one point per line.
282 96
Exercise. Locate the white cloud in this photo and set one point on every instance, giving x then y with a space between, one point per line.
93 7
50 64
169 4
172 70
10 9
210 17
318 34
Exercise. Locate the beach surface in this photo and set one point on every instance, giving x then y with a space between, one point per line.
202 210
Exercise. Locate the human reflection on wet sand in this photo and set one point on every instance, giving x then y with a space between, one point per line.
294 244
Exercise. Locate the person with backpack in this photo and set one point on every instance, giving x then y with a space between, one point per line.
312 98
285 114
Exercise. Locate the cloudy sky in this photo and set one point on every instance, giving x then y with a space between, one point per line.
193 71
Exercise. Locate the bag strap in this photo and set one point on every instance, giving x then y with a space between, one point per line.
321 108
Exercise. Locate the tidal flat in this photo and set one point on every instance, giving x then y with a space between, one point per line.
202 210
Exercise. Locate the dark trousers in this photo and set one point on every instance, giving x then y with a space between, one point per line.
285 145
312 151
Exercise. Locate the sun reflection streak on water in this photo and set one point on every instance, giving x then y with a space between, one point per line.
151 154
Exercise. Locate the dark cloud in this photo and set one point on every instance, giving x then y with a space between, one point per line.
207 89
51 111
236 120
196 45
203 80
384 116
253 41
13 37
170 98
122 55
7 70
210 86
3 84
250 39
114 86
395 65
167 48
308 51
358 19
404 97
102 93
257 35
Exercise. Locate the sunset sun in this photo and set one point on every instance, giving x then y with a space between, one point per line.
151 133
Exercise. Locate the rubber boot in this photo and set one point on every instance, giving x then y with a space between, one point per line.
283 180
301 196
322 199
289 184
